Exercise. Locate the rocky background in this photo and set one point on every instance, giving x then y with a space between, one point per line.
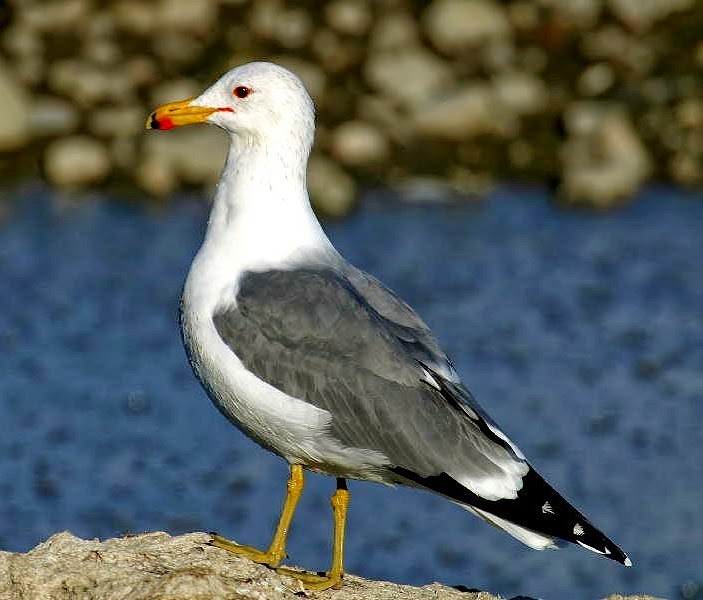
593 96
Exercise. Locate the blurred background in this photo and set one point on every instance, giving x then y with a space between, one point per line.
527 174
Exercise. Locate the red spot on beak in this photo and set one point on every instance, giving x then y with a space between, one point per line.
164 123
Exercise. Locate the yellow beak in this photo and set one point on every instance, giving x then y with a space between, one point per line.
175 114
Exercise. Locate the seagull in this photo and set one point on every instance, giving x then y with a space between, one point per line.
318 361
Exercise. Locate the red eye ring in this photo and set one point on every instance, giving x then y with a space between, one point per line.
241 91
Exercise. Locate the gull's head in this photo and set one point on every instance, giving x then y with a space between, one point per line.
256 101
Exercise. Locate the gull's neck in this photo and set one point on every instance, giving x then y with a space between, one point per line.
261 215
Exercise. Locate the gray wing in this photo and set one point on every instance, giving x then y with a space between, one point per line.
349 346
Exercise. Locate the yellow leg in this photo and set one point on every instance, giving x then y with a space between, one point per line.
333 578
277 550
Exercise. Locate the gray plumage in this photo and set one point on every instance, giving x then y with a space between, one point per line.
349 346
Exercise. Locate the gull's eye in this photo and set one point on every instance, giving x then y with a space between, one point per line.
241 91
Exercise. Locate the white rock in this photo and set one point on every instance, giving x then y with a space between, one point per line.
393 31
175 89
454 25
581 13
191 154
472 110
350 17
52 116
137 17
89 84
117 121
55 15
194 16
595 79
358 143
332 190
642 14
76 161
14 111
520 93
603 159
411 76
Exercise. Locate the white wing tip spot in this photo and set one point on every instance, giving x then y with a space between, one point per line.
578 529
547 508
592 549
628 562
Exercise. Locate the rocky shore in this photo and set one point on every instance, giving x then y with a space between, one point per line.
156 566
595 96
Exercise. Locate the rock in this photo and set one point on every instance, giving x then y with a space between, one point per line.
358 143
393 31
76 161
604 161
89 84
349 17
472 110
332 190
194 16
595 79
14 111
579 13
156 566
454 25
117 121
175 89
51 116
194 155
290 27
520 93
640 15
55 15
410 76
136 17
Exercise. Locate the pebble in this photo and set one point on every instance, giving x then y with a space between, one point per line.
194 16
454 25
193 155
76 161
332 190
595 79
51 116
393 31
470 111
349 17
55 15
641 15
359 144
14 112
117 121
604 160
410 77
520 93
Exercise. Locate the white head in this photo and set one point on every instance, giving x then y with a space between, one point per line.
256 103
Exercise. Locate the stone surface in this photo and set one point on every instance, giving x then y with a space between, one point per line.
471 111
50 116
76 161
14 113
332 190
410 76
643 14
604 159
357 143
156 566
454 25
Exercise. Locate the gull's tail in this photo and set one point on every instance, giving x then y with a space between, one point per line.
538 516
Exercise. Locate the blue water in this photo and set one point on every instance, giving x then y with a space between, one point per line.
581 334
